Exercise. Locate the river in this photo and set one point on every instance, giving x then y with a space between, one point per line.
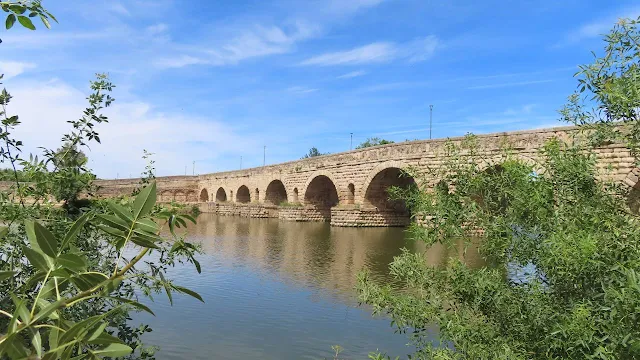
279 290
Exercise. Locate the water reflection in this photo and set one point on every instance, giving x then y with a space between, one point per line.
281 290
314 253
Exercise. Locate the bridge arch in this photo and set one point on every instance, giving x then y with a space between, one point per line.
321 191
204 195
243 195
384 176
276 193
221 195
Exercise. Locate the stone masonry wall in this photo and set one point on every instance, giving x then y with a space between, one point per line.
354 172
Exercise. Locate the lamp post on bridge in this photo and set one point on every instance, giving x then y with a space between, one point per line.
351 144
264 156
430 119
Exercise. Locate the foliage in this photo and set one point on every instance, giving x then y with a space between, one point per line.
609 90
562 262
313 152
72 280
54 277
149 174
23 11
560 245
9 175
373 142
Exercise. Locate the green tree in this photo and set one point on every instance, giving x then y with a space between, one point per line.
313 152
66 290
373 142
561 247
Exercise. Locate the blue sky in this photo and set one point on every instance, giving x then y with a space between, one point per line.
212 82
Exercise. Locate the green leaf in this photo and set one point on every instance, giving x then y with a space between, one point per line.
45 21
133 303
144 242
4 275
3 231
105 339
98 331
21 310
112 231
147 225
36 259
113 350
81 328
72 262
114 222
26 22
189 292
54 334
88 280
36 341
190 218
74 230
144 202
120 211
12 346
167 288
18 9
43 304
46 240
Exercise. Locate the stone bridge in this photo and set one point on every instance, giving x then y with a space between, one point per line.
350 188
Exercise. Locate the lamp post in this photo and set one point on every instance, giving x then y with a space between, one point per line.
264 156
351 146
430 119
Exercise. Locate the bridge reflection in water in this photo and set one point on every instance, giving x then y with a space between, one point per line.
281 290
314 253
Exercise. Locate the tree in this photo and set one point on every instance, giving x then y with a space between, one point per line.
373 142
561 246
69 290
313 152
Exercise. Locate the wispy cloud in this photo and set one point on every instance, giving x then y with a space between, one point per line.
118 8
259 41
511 84
156 29
352 74
378 52
300 90
14 68
600 26
350 6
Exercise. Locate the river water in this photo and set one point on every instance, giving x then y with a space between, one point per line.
279 290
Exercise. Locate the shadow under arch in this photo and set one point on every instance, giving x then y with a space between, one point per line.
276 193
204 195
243 195
221 195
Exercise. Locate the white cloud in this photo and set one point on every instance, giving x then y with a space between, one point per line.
352 74
300 90
259 41
378 52
600 26
14 68
177 139
118 8
523 110
180 61
156 29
